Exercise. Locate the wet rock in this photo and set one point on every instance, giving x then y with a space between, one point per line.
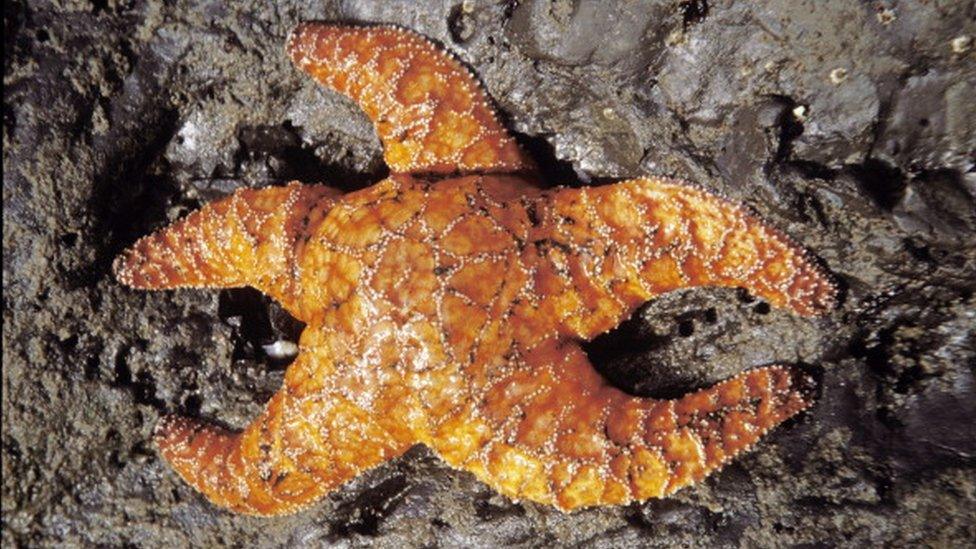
693 339
938 209
839 127
119 116
585 32
206 140
931 123
840 77
754 139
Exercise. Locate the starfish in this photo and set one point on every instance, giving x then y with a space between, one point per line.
446 304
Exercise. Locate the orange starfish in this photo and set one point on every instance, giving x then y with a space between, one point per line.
449 311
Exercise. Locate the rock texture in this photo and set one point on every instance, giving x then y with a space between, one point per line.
850 125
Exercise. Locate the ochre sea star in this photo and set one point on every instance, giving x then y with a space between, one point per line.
448 310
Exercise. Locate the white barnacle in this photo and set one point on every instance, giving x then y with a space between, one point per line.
961 44
281 349
838 75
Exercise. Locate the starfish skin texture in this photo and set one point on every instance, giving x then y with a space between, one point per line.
448 309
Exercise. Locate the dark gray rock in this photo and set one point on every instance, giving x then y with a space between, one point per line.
586 32
121 116
931 124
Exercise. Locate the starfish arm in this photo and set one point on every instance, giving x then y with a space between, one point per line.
248 238
611 248
304 445
551 430
430 112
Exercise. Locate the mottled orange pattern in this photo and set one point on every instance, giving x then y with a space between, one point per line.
450 312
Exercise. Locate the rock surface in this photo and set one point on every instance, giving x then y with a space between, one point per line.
850 125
